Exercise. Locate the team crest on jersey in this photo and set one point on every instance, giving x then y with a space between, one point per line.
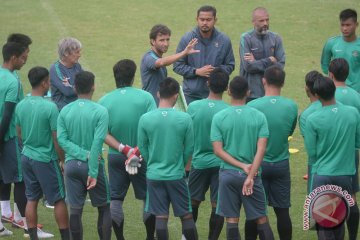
81 104
211 105
273 100
334 110
238 111
272 50
216 44
123 91
355 53
164 113
344 91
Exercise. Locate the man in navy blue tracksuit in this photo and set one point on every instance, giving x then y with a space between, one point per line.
215 51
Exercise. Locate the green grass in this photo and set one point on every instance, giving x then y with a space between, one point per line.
112 30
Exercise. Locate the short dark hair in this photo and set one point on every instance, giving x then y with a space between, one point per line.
207 8
238 87
168 88
325 88
348 13
12 49
275 75
339 67
124 72
37 75
218 80
84 81
310 79
20 38
159 29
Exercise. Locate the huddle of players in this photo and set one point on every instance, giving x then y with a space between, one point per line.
166 139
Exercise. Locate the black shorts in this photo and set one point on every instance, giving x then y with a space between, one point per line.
42 178
10 162
345 182
200 180
231 197
163 192
276 181
76 174
120 180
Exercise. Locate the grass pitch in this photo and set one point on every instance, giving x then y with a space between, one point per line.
113 30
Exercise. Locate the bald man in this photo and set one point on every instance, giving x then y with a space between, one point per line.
259 49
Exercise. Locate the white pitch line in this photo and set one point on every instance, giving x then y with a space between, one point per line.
60 26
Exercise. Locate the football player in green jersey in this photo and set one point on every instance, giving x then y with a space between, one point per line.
345 46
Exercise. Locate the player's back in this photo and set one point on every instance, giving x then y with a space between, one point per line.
166 142
239 128
202 113
348 96
125 107
80 120
332 134
37 118
281 115
306 113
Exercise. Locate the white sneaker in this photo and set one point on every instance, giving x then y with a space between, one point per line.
183 237
40 233
46 204
5 232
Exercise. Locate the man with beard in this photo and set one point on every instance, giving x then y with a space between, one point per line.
153 65
259 49
215 51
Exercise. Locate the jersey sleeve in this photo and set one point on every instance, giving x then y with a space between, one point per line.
149 61
264 129
310 141
357 135
294 118
302 124
143 140
17 117
215 134
65 143
190 110
98 141
188 141
54 114
12 92
151 105
326 57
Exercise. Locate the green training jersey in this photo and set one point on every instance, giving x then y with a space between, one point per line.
314 106
331 136
81 130
166 142
10 91
239 128
281 115
126 106
202 112
336 47
37 118
348 96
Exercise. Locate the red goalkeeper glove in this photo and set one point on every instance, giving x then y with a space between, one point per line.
133 162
